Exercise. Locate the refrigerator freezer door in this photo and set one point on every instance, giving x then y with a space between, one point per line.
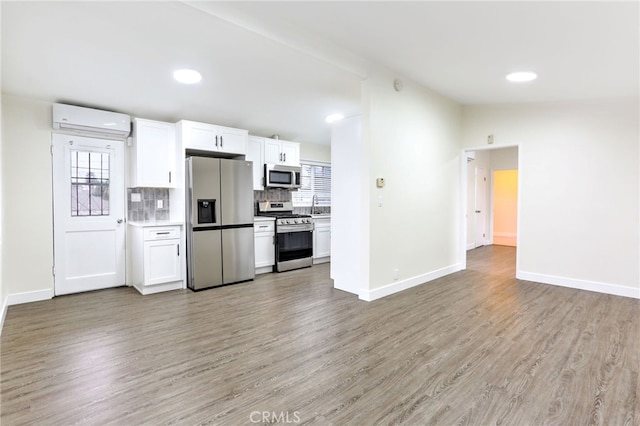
206 260
239 257
204 187
236 192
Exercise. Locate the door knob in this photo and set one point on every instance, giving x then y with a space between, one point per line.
119 220
478 211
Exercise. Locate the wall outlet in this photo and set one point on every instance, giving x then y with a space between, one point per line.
396 274
159 204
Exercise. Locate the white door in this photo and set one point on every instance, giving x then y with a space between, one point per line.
88 213
480 207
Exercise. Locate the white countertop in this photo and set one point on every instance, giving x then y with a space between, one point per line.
263 219
143 224
321 216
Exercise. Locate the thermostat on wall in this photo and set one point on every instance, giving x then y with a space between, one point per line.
380 182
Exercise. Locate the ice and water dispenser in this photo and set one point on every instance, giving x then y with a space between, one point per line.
206 211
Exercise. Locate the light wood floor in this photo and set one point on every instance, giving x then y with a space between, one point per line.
476 347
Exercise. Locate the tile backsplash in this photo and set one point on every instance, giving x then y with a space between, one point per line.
143 204
274 194
270 194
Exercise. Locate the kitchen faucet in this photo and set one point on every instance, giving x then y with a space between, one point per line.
314 200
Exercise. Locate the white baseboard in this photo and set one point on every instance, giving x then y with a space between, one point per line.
29 296
158 288
19 298
377 293
616 290
471 246
5 306
264 270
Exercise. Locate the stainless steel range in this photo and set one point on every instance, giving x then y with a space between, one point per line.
294 235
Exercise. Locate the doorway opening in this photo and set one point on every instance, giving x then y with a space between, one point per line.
491 205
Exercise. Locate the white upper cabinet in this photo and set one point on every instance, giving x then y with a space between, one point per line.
212 138
255 153
233 141
153 155
291 153
281 152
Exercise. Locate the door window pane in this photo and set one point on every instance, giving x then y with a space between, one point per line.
89 183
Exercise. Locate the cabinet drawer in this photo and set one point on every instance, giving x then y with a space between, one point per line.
260 227
161 233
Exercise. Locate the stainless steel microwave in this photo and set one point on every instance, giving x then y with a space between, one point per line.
279 176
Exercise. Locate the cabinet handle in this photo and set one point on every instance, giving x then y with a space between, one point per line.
162 233
285 157
216 140
169 177
280 156
220 141
178 246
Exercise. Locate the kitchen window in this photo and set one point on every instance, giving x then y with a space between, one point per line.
315 179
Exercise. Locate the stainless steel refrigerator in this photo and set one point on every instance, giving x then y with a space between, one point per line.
219 208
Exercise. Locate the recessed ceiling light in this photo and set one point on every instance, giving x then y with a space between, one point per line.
520 77
187 76
334 117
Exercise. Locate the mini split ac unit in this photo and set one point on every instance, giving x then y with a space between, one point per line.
95 121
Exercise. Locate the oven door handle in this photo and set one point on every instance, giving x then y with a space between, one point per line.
286 229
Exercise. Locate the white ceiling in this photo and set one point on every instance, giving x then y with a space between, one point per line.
281 67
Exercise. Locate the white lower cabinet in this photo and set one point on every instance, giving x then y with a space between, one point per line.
265 252
156 258
322 239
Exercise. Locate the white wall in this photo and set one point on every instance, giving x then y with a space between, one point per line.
412 140
3 293
315 152
579 189
27 217
504 158
349 207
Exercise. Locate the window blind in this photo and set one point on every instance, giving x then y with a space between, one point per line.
315 179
